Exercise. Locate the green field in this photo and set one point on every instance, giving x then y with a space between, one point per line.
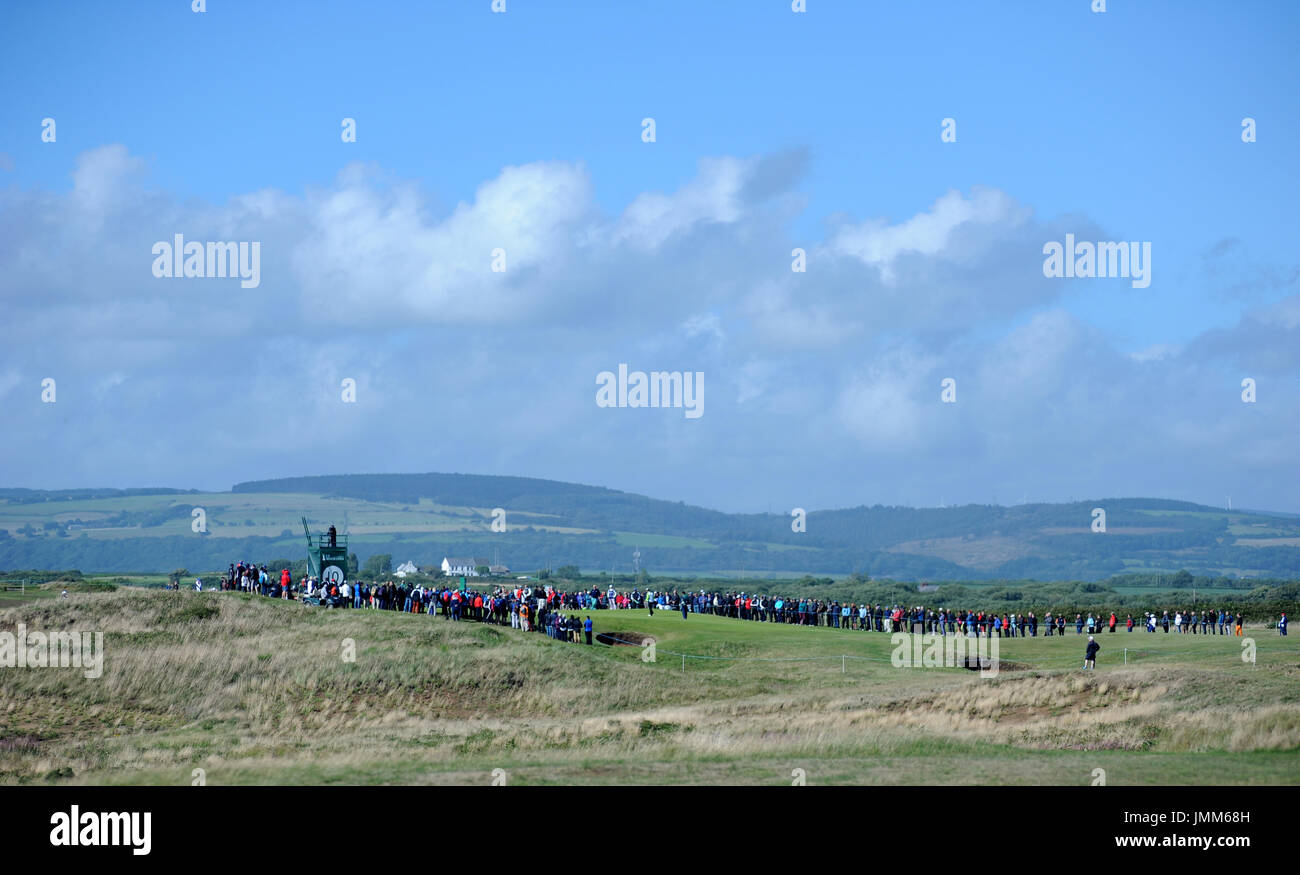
644 540
255 691
9 597
262 514
424 517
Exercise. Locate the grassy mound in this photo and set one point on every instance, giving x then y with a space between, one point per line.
253 690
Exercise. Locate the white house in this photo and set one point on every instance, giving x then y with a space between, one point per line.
461 566
404 569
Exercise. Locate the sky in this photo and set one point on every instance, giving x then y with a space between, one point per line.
379 338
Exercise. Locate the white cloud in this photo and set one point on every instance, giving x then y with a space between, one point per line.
1032 362
878 243
885 407
713 196
812 378
374 254
103 180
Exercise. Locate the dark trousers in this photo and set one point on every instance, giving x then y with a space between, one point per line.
588 637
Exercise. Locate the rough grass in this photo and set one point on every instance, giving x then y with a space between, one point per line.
258 691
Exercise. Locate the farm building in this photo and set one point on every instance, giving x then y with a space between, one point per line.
461 566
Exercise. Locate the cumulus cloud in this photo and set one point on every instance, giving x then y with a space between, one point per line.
822 386
714 196
102 180
887 407
930 233
373 254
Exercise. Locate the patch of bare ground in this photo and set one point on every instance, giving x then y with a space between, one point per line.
632 639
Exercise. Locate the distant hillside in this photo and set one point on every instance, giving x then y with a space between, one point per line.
19 496
422 517
577 505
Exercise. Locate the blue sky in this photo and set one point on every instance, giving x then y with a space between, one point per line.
1126 123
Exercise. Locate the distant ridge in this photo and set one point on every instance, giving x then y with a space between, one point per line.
429 485
34 495
480 489
581 506
424 517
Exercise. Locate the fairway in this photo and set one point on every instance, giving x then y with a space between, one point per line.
705 642
260 691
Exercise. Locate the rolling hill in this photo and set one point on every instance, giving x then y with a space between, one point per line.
422 517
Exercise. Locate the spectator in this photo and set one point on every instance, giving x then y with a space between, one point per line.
1090 655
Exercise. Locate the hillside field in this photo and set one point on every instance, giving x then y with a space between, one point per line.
256 691
424 517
